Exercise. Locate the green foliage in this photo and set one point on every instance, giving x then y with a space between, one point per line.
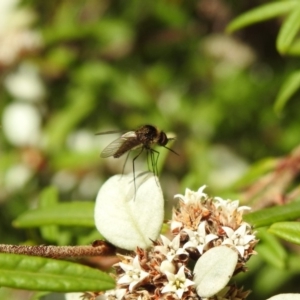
268 216
287 40
64 214
36 273
287 90
289 231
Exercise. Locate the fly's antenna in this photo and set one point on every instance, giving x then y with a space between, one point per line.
171 139
171 150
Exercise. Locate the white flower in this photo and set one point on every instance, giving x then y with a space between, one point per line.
239 238
176 225
171 249
134 274
199 239
167 266
191 197
73 296
25 84
117 294
229 206
178 283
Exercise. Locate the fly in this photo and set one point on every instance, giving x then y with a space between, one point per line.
144 138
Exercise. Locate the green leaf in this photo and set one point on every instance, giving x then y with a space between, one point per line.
289 231
214 269
65 214
294 48
288 88
288 31
268 216
262 13
130 213
271 249
285 297
43 274
48 198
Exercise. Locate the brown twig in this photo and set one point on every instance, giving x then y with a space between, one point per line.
100 248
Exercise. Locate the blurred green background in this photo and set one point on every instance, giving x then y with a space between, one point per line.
70 69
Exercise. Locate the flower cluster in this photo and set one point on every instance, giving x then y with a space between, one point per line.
166 270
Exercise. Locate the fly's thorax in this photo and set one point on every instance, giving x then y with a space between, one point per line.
147 135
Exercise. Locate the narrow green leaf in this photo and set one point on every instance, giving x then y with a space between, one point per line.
288 88
289 231
288 30
65 214
268 216
49 197
43 274
271 249
294 48
261 13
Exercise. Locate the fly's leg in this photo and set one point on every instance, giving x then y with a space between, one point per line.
125 164
154 155
133 168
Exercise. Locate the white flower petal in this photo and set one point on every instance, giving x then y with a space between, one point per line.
167 266
178 283
133 275
73 296
129 218
229 231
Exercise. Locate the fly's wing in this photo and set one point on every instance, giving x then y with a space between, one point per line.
110 132
118 147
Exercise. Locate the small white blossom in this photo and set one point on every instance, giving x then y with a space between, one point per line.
239 238
229 206
117 294
134 274
199 239
178 283
171 249
73 296
167 266
176 225
191 197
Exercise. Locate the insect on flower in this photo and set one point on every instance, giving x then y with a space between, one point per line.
143 138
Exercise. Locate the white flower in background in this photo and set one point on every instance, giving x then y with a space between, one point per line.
199 239
15 36
177 283
17 176
22 124
25 84
134 274
238 238
171 249
192 197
